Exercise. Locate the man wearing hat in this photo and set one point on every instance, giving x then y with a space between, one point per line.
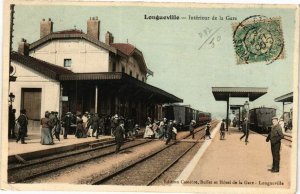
67 120
275 136
119 136
23 122
245 131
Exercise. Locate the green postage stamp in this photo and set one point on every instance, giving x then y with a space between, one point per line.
258 39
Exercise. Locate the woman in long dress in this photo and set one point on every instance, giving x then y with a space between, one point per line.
148 131
46 136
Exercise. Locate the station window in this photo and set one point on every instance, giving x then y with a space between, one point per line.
123 69
137 76
114 67
130 73
67 62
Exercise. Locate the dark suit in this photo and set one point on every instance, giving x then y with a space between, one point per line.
192 128
23 122
222 130
67 125
245 131
119 135
169 132
275 136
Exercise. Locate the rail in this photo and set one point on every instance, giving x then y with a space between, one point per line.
106 178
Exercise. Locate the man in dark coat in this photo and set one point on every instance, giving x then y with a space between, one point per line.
114 123
275 136
222 130
100 130
192 128
23 122
12 123
119 135
67 120
95 124
169 131
245 130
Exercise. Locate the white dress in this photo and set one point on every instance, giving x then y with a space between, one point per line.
148 132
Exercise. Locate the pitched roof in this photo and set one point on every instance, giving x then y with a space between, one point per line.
127 49
48 69
71 31
122 49
130 50
72 34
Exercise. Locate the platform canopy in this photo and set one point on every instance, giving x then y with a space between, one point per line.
235 107
285 98
224 93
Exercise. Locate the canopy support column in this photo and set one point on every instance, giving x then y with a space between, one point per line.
227 114
96 99
282 110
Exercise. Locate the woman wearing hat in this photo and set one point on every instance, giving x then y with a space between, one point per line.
46 136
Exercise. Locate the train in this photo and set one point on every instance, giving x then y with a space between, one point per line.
184 114
260 119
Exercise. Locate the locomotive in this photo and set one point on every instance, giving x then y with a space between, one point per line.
184 114
260 119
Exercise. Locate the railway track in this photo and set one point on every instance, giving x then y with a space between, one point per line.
148 169
38 167
50 164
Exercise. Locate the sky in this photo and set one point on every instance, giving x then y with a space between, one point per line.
185 61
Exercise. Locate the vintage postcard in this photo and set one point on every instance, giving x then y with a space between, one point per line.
161 97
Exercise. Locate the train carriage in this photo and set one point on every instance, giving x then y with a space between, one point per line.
184 114
260 119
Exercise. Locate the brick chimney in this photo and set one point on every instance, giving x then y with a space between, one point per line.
93 27
23 47
109 38
46 27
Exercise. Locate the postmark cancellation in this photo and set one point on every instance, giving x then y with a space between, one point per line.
258 39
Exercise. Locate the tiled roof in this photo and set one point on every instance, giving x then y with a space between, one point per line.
71 34
48 69
130 50
71 31
127 49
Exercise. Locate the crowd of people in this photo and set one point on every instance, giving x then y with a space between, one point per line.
94 125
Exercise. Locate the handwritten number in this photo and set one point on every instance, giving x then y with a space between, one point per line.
212 43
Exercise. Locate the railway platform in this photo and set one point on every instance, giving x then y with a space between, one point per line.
231 162
33 148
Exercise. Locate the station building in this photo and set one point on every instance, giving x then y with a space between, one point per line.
74 71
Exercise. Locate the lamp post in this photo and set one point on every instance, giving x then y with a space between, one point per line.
246 107
11 98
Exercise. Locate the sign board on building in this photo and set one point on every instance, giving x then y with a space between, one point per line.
64 98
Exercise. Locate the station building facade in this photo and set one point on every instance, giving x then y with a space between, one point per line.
74 71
